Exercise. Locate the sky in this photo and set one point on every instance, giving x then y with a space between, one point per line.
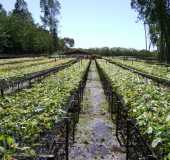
94 23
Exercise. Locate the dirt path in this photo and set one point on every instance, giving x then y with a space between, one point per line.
95 135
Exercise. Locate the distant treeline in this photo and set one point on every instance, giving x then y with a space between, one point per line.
123 52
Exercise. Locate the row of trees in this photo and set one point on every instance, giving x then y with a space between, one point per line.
156 15
20 35
105 51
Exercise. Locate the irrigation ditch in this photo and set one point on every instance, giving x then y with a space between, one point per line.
16 84
127 130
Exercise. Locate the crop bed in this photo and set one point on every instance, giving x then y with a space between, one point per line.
25 80
146 104
28 114
157 73
15 71
13 66
19 60
150 68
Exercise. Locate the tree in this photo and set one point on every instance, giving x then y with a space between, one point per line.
51 10
2 10
156 14
3 34
22 11
69 42
61 44
20 35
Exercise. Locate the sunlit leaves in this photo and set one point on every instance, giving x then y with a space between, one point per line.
147 103
28 113
156 142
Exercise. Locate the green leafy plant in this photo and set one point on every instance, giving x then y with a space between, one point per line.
147 103
10 72
153 69
30 112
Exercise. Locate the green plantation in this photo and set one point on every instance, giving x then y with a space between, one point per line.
32 111
19 70
147 102
84 80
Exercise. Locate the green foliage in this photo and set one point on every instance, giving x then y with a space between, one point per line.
21 10
27 114
156 14
7 146
146 102
69 42
149 68
2 10
15 71
65 43
19 34
51 9
3 34
122 52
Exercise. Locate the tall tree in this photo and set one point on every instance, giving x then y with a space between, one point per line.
2 10
21 10
3 33
156 14
69 42
19 34
51 10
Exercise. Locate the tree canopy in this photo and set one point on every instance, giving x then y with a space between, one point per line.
156 14
19 34
21 10
51 10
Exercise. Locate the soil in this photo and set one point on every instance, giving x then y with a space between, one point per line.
95 133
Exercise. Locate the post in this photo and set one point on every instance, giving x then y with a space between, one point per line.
117 117
127 139
2 92
74 126
18 85
146 42
67 138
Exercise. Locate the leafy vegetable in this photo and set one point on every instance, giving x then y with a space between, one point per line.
7 72
30 112
148 104
153 69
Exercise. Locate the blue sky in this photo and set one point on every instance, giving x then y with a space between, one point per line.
95 23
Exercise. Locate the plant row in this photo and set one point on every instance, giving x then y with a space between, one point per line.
19 60
20 70
27 114
153 69
147 103
13 66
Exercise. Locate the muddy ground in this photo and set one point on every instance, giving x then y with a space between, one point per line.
95 134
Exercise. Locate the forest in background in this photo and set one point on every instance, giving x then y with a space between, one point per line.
19 34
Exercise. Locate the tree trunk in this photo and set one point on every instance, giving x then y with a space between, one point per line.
146 42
